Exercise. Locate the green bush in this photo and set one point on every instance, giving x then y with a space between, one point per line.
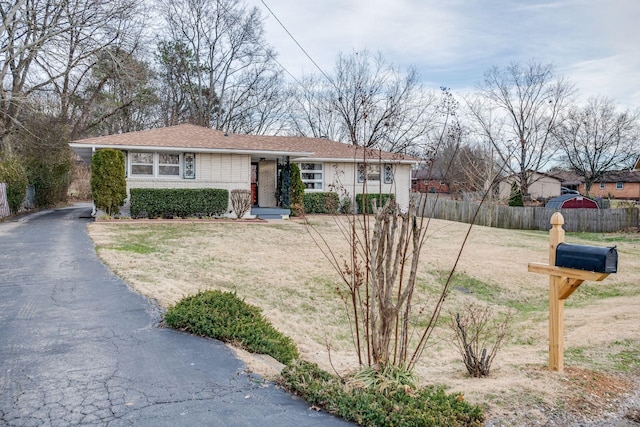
50 178
178 203
41 144
381 199
429 406
515 198
12 173
321 203
108 182
296 191
224 316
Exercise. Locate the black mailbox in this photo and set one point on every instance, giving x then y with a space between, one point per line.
591 258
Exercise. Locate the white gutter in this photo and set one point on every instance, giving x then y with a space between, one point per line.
358 160
303 154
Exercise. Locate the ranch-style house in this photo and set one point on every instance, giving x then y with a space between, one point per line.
190 156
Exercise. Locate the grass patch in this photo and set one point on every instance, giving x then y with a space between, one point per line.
626 357
605 238
618 356
137 248
376 406
490 292
590 292
224 316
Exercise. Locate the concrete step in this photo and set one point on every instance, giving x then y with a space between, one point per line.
271 213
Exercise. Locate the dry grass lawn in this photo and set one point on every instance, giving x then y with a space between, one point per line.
277 267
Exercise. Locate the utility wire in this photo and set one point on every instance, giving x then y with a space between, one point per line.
298 44
259 43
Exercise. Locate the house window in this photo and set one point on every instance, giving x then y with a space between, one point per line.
368 172
142 164
312 175
619 185
388 174
165 165
168 164
602 185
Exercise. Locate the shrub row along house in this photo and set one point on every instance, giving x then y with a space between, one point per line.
190 156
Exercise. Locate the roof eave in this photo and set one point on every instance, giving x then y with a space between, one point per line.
297 154
352 160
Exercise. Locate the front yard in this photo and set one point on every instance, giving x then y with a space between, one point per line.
277 267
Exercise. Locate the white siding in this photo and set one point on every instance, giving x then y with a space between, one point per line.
543 187
342 177
223 171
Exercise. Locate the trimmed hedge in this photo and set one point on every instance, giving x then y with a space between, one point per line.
178 203
321 203
224 316
380 198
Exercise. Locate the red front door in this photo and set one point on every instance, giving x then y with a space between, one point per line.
254 184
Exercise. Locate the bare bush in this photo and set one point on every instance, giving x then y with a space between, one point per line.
477 329
240 201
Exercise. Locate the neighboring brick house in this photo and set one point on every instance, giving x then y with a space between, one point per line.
616 185
427 181
189 156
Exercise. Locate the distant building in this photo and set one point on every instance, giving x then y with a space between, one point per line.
543 186
571 201
428 181
624 184
616 185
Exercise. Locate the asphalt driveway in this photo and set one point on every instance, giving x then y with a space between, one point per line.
78 347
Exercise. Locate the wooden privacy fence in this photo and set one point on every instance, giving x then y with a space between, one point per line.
526 218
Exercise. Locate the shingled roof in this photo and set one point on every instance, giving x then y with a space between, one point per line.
188 137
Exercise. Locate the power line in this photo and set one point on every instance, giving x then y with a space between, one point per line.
298 44
259 43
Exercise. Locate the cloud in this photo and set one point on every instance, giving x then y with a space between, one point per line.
613 77
453 42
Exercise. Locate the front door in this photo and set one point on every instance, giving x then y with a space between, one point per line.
254 184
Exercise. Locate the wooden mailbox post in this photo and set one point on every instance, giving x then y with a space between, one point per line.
562 283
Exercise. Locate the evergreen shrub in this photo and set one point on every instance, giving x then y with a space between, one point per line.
372 406
178 203
13 174
224 316
515 198
321 203
296 191
108 182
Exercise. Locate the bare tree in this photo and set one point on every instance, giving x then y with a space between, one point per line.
368 102
118 96
598 138
311 112
51 46
516 109
226 78
27 25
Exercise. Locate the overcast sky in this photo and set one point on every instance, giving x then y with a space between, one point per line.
595 43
